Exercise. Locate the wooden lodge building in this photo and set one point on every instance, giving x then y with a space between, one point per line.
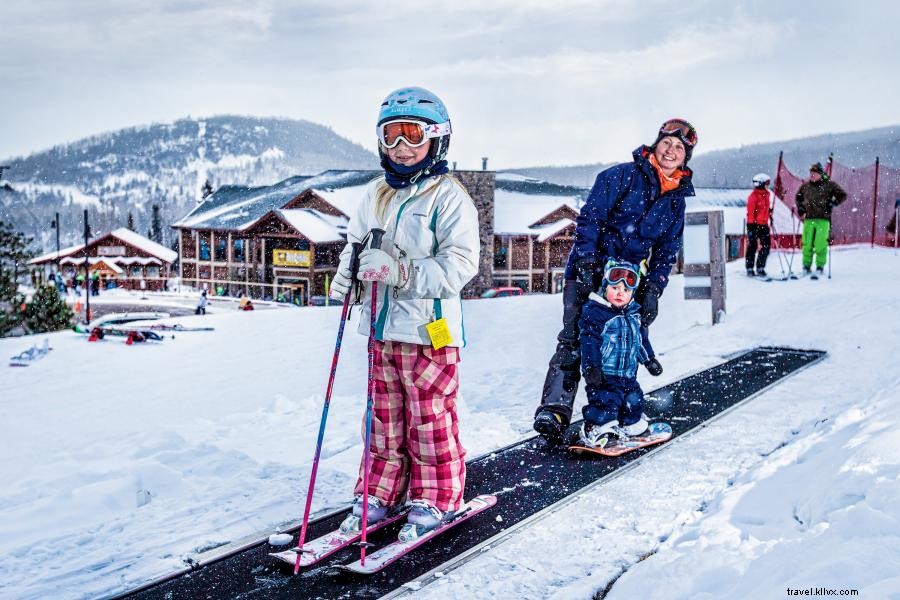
283 241
122 257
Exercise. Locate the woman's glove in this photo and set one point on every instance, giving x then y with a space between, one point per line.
391 269
650 304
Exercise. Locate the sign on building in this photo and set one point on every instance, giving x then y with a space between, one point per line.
290 258
111 251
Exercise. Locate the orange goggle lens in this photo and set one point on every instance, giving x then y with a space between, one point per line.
412 133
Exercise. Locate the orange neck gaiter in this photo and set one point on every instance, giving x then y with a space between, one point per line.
666 183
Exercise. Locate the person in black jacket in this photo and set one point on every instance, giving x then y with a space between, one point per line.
635 212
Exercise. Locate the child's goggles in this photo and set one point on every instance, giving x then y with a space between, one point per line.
684 130
627 276
414 133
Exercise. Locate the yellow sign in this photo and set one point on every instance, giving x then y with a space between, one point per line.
290 258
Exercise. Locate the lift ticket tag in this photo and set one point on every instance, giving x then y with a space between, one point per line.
439 333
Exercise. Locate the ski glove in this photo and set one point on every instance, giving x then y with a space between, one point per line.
586 269
342 282
653 367
650 304
379 266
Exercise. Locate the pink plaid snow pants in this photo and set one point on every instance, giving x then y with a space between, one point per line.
415 432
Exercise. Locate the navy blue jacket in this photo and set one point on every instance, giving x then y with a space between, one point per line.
612 338
625 217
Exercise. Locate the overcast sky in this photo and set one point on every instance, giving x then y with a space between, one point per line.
527 82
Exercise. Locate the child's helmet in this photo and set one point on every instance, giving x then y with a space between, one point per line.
620 270
417 104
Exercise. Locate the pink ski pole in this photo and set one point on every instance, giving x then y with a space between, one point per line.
354 258
367 453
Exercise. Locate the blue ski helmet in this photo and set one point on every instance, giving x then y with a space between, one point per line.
620 270
421 105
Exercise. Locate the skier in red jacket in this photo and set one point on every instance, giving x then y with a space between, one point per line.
759 213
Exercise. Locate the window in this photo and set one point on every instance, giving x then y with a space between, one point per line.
135 271
221 248
204 246
153 271
237 251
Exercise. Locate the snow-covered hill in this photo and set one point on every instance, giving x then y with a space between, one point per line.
120 461
734 167
167 164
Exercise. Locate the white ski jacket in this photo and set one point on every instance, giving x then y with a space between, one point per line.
435 223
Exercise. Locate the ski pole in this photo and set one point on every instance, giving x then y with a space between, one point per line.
375 244
354 263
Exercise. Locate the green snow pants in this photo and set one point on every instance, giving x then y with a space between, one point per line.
815 238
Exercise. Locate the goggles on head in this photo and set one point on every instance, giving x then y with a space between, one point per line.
681 128
414 133
627 276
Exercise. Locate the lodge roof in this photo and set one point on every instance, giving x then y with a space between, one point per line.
122 234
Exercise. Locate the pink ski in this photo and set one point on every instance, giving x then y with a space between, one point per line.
396 550
323 547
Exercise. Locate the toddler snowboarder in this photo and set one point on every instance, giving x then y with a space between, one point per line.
612 345
201 305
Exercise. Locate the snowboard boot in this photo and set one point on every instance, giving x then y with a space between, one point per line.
636 428
761 273
353 523
653 367
422 518
805 271
550 424
596 436
750 273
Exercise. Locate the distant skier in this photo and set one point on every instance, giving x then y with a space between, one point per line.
759 213
635 212
613 343
201 305
815 200
415 445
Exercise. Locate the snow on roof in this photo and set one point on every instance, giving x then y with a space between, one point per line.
551 229
343 199
311 224
515 212
52 255
147 245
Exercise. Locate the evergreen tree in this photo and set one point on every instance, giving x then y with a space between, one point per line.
47 311
155 232
14 254
207 189
130 224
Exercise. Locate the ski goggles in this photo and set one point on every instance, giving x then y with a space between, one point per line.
414 133
681 128
627 276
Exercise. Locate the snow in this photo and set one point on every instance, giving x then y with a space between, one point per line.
515 213
309 223
207 438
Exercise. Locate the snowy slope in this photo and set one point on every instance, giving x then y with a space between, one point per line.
797 488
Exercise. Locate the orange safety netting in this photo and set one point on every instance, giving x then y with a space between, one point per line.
852 222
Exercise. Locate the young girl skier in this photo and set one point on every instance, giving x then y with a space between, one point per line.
429 252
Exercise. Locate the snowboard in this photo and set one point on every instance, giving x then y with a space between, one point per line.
322 547
657 433
383 557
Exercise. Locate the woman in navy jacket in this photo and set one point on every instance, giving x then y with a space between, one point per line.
635 212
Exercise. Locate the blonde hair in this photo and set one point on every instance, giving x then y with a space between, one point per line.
385 193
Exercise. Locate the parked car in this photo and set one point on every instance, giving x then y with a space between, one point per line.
320 301
502 292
